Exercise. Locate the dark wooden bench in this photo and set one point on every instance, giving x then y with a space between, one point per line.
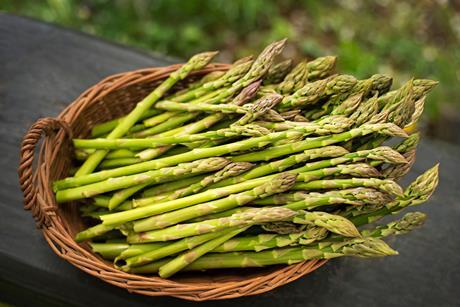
44 67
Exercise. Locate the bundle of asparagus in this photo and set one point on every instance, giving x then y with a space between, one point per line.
262 164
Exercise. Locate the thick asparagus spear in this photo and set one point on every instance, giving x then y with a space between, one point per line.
243 219
265 241
183 260
359 247
278 184
278 151
277 72
150 177
384 185
383 153
418 192
313 92
196 62
295 79
168 249
334 223
306 201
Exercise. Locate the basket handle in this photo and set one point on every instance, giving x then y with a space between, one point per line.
46 126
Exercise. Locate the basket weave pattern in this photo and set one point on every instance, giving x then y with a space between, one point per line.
111 98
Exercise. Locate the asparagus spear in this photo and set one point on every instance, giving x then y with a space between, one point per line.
320 67
313 92
340 156
196 62
324 126
409 222
384 185
150 177
334 223
277 72
306 201
259 108
243 219
181 261
418 192
295 79
236 130
269 240
308 143
230 170
358 247
278 184
168 249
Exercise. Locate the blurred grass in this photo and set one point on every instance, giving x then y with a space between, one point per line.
403 38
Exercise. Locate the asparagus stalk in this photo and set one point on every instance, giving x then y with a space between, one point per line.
358 247
246 130
196 62
181 261
295 79
418 192
334 223
313 92
268 240
308 143
150 177
278 184
105 128
230 170
243 219
277 72
168 249
340 156
308 201
407 223
324 126
384 185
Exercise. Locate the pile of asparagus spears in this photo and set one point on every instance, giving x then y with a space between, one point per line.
266 163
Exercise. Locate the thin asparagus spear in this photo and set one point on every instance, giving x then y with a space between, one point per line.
107 127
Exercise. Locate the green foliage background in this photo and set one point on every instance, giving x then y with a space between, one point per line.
403 38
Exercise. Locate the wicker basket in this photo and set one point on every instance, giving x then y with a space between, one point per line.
112 98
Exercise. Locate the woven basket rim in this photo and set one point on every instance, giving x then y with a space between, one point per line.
39 198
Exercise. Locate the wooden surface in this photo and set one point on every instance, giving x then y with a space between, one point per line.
43 68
